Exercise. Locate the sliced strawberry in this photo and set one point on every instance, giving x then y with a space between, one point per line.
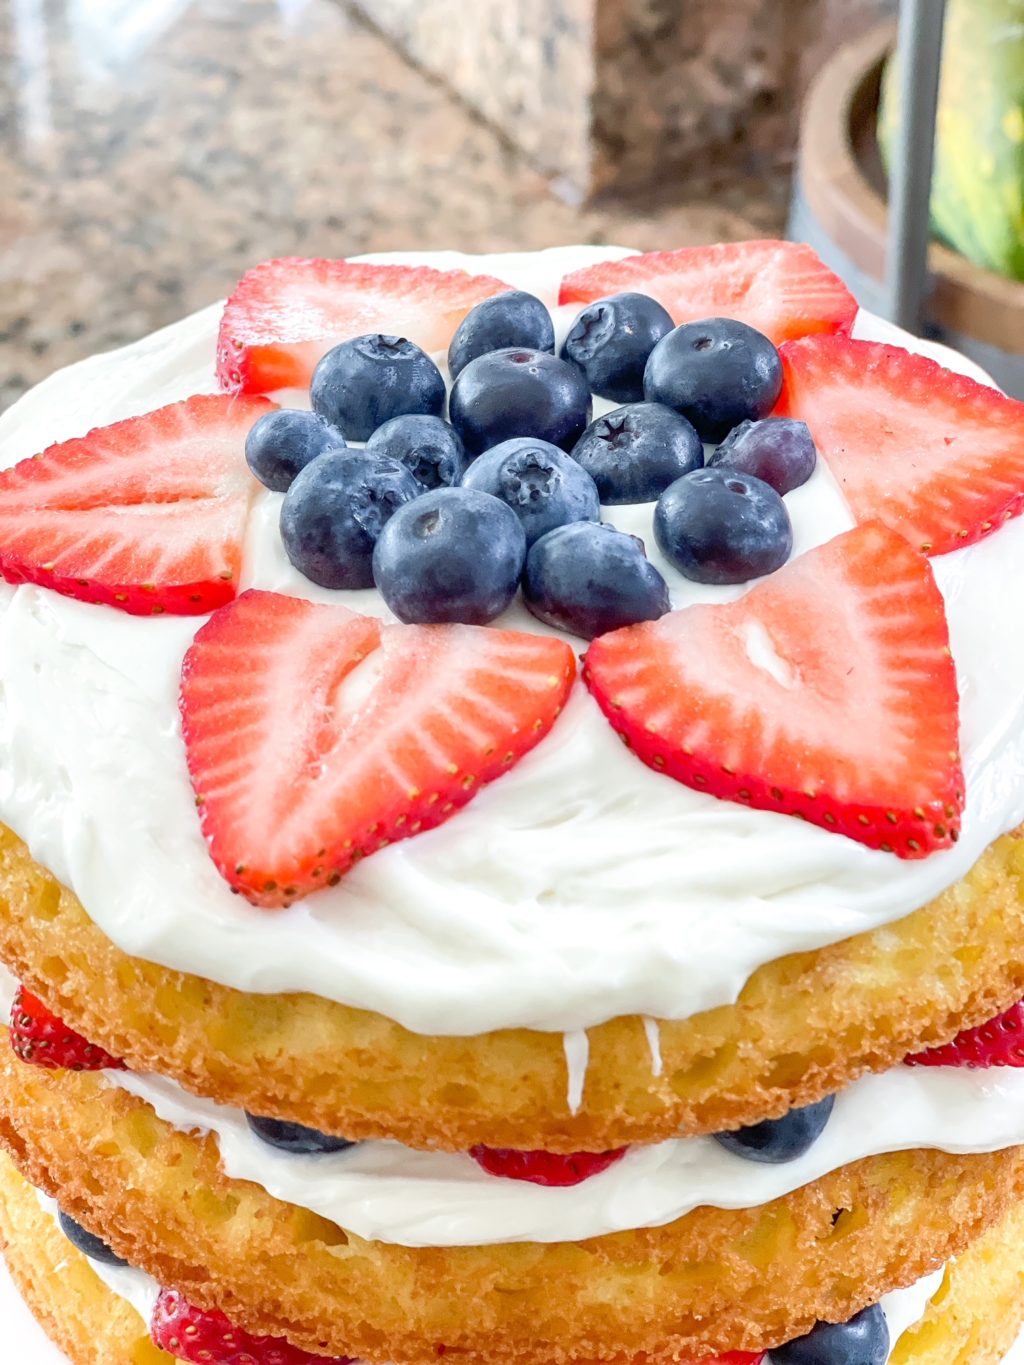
781 288
734 1358
315 735
203 1337
147 515
283 315
40 1038
933 454
828 692
1000 1042
544 1168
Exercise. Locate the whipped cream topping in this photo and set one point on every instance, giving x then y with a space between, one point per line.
903 1308
385 1192
578 887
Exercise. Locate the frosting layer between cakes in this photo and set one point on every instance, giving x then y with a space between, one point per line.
578 887
386 1192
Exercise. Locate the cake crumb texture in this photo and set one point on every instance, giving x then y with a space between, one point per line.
805 1026
91 1325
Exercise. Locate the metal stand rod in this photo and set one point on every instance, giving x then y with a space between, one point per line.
920 56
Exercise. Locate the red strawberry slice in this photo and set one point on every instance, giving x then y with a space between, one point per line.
40 1038
147 515
933 454
544 1168
315 735
283 315
207 1337
781 288
1000 1042
828 692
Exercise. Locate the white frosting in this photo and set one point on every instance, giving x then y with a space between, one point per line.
904 1308
8 988
578 887
577 1059
134 1286
385 1192
653 1032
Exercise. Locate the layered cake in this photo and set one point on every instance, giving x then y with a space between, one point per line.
512 780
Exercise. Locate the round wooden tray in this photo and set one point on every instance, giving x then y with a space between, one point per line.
840 208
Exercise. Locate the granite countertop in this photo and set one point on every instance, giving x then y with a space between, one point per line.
151 153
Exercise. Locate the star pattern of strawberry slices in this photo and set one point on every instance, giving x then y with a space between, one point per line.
781 288
315 736
826 692
147 515
933 454
284 315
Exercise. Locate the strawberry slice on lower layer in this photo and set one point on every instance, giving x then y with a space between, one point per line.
40 1038
544 1168
207 1337
1000 1042
827 692
284 314
315 735
933 454
781 288
147 515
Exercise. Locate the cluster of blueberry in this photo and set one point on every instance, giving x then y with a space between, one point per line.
449 518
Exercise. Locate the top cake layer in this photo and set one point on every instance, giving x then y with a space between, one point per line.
579 887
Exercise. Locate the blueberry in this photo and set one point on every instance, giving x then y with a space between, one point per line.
778 450
779 1140
517 392
365 382
611 341
295 1137
334 511
717 526
589 579
94 1247
717 373
864 1340
429 446
635 452
454 555
281 444
512 319
543 486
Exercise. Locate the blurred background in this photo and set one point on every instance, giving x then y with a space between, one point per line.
154 149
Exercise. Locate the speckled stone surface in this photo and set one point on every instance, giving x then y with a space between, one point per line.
149 153
527 65
620 94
